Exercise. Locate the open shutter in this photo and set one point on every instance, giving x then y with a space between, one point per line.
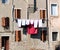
3 21
17 35
42 14
42 35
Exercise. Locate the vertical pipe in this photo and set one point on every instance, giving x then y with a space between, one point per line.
34 5
47 23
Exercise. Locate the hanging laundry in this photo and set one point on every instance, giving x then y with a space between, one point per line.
40 23
35 23
23 22
31 21
27 22
31 29
19 22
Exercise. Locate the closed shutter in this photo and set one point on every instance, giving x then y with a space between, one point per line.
3 21
42 36
17 13
17 35
42 14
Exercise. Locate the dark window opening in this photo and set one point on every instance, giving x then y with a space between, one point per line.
5 43
54 36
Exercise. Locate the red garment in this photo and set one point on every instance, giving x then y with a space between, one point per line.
31 29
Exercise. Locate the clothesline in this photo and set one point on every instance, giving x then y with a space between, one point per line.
23 22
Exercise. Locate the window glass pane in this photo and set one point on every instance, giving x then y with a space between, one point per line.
54 36
54 9
3 1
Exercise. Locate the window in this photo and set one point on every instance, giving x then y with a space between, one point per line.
17 13
42 14
54 10
4 1
54 36
5 43
17 35
43 35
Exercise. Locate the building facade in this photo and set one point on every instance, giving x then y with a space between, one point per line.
17 35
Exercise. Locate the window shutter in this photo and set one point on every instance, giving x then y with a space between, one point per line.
42 35
3 21
17 35
42 14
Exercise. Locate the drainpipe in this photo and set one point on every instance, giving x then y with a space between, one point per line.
13 16
47 24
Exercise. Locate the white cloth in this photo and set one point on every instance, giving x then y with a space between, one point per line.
31 21
3 48
35 23
23 22
40 23
27 22
19 22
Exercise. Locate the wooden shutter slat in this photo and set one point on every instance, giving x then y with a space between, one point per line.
16 35
3 21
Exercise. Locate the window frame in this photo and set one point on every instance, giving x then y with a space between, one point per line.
42 13
51 9
54 35
16 13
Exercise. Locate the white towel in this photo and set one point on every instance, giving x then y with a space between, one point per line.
35 23
27 22
31 21
40 23
23 22
19 22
